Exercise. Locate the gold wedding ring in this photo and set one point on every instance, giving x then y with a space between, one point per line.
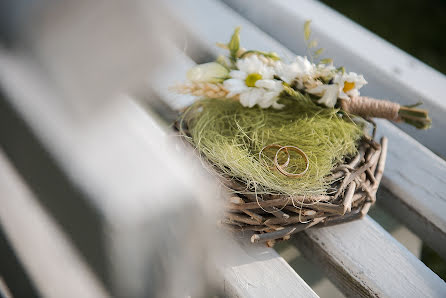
281 168
275 146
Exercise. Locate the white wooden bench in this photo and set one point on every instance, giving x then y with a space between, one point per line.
361 258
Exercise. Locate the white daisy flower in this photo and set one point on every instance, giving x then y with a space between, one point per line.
329 94
349 84
325 71
344 86
301 67
254 82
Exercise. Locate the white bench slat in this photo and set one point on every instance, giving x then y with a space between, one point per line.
253 270
366 261
249 272
391 72
417 179
39 243
413 174
258 271
209 22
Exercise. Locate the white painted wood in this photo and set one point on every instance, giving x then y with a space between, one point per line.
146 198
391 73
426 280
55 267
258 271
417 179
171 74
195 19
112 158
363 260
250 271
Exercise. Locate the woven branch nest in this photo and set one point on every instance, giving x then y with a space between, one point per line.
274 218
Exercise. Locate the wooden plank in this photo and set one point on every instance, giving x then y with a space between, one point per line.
413 174
25 109
40 244
363 260
197 22
391 73
123 196
416 179
249 270
258 271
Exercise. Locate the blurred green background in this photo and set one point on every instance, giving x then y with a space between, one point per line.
416 26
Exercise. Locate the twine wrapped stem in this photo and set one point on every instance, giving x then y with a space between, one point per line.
371 107
368 107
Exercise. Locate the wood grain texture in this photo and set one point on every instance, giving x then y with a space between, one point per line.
206 31
369 262
391 72
258 271
250 271
416 178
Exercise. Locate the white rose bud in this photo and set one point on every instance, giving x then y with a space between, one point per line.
212 72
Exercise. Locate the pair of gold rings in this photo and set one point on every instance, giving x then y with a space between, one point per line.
281 167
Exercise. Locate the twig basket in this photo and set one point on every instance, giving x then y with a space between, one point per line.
276 217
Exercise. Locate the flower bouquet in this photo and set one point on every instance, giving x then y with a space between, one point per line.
293 142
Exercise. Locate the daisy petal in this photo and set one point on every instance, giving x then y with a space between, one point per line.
267 84
248 98
330 97
250 64
319 90
234 86
353 93
237 74
267 72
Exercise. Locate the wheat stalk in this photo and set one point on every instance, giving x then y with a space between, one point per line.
209 90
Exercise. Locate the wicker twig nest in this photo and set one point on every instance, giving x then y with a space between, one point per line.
275 217
251 101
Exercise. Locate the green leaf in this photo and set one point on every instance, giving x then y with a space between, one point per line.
341 69
307 30
312 44
271 55
319 51
414 105
223 61
326 61
234 43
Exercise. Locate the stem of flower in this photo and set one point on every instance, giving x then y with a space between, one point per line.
416 117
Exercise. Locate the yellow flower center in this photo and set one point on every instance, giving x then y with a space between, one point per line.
348 86
252 78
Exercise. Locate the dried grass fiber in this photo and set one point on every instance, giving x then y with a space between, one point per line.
230 137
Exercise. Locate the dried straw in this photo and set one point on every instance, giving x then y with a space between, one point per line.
231 136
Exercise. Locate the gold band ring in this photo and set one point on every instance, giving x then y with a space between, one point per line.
281 168
275 146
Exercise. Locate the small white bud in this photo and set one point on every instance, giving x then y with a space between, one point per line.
212 72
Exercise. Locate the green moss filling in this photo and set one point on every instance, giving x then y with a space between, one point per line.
230 136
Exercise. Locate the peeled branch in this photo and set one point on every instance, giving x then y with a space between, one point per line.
370 107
